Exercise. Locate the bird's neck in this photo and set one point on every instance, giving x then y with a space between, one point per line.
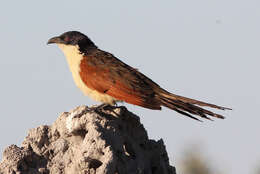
72 54
74 58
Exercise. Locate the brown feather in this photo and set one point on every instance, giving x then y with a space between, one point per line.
105 73
115 81
188 105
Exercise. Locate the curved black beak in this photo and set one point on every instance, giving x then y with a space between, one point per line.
55 40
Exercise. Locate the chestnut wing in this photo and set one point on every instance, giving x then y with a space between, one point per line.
105 73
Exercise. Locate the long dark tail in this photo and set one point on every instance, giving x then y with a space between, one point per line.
188 107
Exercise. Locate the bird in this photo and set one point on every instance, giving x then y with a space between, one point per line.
105 78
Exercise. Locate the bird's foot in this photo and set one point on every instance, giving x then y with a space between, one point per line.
107 107
104 107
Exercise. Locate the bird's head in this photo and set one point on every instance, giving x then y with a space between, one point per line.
72 38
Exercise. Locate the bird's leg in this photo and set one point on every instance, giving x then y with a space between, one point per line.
107 107
104 106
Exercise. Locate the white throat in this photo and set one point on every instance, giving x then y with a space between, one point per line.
72 55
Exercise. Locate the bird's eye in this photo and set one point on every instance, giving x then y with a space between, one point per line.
66 39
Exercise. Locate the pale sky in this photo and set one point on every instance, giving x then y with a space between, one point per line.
208 50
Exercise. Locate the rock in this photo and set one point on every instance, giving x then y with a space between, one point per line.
88 141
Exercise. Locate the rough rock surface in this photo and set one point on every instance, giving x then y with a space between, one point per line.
88 141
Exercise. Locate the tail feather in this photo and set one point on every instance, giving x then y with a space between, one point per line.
188 107
193 101
175 108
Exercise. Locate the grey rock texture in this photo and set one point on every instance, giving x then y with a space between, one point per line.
88 141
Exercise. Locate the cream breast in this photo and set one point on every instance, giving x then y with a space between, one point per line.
74 58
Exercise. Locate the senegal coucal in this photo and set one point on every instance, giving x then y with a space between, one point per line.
107 79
